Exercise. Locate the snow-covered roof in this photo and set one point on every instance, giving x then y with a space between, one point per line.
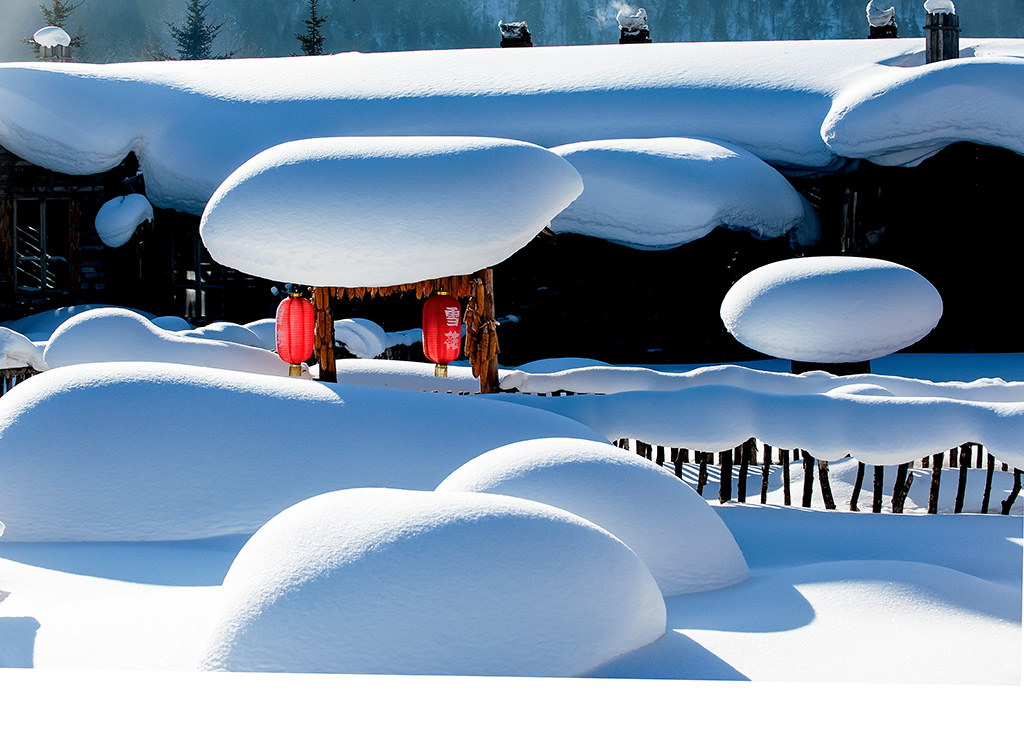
800 105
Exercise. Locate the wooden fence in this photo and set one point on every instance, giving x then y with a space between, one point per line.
11 376
966 456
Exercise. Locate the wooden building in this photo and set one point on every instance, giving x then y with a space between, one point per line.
51 255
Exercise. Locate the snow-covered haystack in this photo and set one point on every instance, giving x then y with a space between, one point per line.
229 332
401 582
362 338
122 335
17 351
151 451
379 211
117 219
836 309
660 193
671 528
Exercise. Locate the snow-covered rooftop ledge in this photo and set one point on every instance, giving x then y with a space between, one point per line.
193 123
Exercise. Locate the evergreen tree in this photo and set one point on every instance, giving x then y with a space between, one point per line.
57 15
194 40
312 41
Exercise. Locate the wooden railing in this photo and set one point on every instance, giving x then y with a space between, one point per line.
11 376
967 456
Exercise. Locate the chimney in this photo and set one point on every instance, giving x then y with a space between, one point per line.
633 28
514 33
941 31
881 22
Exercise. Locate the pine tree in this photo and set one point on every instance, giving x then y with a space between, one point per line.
57 15
313 41
194 40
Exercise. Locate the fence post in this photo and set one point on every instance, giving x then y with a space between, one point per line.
961 486
942 37
933 490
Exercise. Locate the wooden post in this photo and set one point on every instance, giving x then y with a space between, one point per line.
990 470
901 487
323 334
876 503
725 477
942 37
857 487
826 488
765 468
489 378
933 490
702 475
808 464
741 482
1008 502
961 486
786 493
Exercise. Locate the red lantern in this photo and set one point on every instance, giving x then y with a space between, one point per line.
294 325
442 331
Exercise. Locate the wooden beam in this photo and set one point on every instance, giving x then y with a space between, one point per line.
323 337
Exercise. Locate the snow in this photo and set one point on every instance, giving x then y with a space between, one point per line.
678 536
227 331
17 351
632 21
194 123
406 209
391 581
939 6
170 322
660 193
115 334
51 36
117 219
40 327
831 309
362 338
156 474
878 16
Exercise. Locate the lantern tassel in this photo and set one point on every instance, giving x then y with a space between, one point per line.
441 369
295 369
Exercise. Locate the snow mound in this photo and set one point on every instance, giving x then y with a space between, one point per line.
117 219
939 6
362 338
40 326
671 528
903 116
266 331
878 16
152 451
399 582
229 332
831 309
171 322
659 193
407 208
17 351
122 335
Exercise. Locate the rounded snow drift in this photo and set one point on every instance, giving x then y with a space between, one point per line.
362 338
402 582
117 219
380 211
836 309
680 538
50 36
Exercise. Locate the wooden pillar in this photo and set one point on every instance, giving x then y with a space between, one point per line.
323 336
942 37
489 377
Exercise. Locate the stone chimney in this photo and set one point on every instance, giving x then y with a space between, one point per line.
514 33
633 28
